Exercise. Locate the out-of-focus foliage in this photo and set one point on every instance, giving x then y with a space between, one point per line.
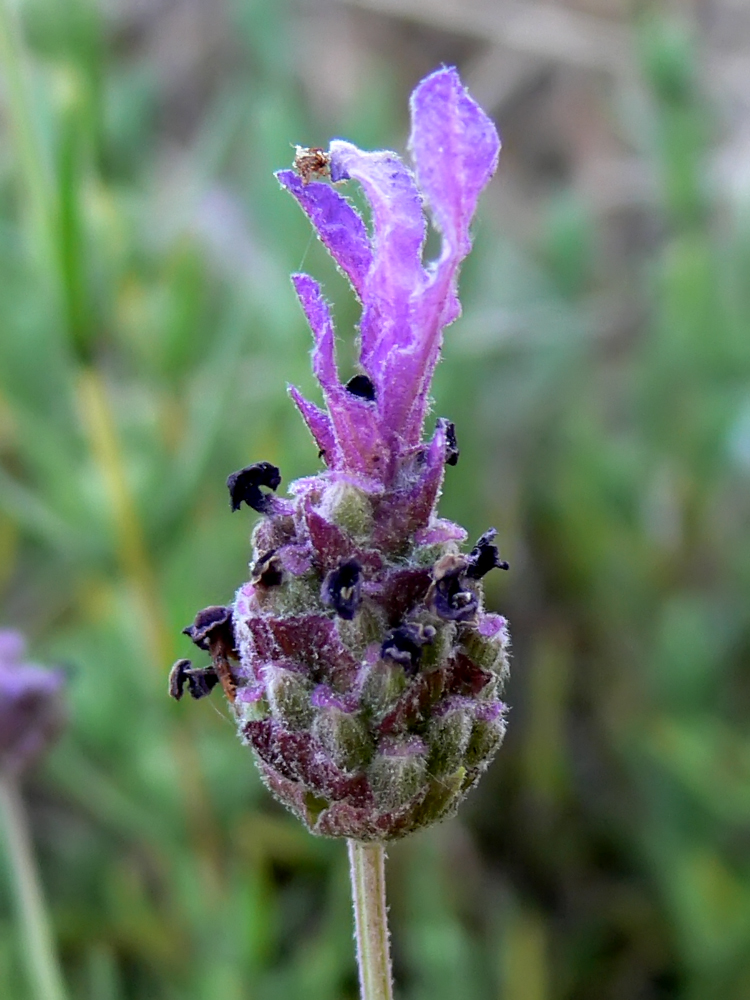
147 332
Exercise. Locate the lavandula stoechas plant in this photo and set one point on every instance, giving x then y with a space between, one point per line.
31 716
361 665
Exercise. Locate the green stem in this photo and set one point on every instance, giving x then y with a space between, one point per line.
367 868
38 946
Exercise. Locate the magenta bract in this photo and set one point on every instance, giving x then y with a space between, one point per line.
405 303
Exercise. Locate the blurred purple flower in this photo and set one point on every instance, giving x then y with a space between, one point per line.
31 708
362 666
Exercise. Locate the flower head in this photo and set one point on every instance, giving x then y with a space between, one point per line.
31 710
361 664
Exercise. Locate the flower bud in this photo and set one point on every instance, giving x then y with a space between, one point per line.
487 734
398 772
289 694
251 704
487 646
448 736
341 731
349 508
382 686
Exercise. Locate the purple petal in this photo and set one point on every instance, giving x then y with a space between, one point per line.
415 367
455 149
295 559
318 423
251 693
406 511
398 221
324 696
439 531
339 225
405 307
399 232
355 420
490 625
490 711
319 317
409 364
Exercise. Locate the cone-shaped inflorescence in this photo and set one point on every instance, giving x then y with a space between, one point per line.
362 667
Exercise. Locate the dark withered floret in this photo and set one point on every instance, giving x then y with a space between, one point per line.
451 597
342 589
361 385
267 571
404 644
484 557
452 451
200 680
245 486
214 622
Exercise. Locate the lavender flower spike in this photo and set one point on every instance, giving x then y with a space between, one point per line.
363 669
31 710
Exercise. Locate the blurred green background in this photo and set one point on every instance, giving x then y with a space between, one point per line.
600 382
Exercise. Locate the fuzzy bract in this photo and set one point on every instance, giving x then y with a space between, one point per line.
361 664
406 303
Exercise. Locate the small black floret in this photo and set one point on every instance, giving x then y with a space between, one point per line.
451 597
245 485
211 623
361 385
404 644
267 570
200 681
342 589
452 451
484 557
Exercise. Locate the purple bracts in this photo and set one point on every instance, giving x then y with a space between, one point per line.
362 667
31 709
405 303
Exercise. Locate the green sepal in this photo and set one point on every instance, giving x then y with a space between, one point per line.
395 778
289 697
345 736
448 736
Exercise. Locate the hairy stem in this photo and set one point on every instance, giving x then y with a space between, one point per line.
367 868
38 945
